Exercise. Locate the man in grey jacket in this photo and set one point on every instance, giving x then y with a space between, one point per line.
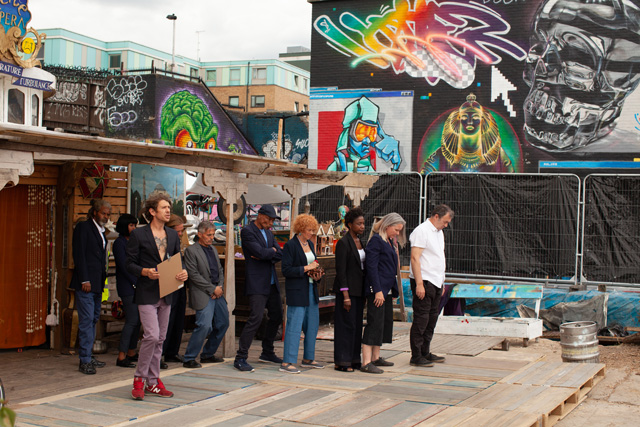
206 297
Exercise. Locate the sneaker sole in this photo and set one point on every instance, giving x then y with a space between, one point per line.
245 370
312 366
426 365
268 361
289 372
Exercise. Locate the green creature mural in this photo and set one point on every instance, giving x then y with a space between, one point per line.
186 122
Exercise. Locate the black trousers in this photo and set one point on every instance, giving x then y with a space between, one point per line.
257 304
172 342
347 331
379 327
425 317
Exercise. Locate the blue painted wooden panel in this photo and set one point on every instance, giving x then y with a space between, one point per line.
504 291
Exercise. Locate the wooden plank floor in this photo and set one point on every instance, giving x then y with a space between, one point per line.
494 388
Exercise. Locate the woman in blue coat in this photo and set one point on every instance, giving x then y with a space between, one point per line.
126 286
381 287
302 272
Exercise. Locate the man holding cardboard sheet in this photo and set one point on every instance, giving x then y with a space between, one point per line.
149 246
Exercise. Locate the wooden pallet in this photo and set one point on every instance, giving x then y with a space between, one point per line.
454 416
462 345
550 404
581 376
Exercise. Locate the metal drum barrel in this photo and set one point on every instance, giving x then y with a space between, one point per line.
579 342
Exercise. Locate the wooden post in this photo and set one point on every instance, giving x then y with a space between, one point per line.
279 146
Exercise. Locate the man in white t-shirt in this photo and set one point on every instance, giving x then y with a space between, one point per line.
427 277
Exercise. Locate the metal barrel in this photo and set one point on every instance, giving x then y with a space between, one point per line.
579 342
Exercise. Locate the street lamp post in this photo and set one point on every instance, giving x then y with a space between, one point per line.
173 18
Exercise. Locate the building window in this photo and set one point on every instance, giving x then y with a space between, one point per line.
211 76
296 107
194 72
306 84
234 77
257 101
40 55
35 110
16 107
259 75
234 101
296 81
114 61
305 107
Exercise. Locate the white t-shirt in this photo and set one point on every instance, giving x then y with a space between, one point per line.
432 262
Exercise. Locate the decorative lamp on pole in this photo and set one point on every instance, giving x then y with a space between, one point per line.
173 18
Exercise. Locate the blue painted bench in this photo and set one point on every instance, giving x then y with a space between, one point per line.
525 328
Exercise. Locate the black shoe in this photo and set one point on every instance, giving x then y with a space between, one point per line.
191 364
357 365
96 363
212 359
370 368
163 365
272 358
87 368
174 359
133 358
433 358
125 363
421 361
382 362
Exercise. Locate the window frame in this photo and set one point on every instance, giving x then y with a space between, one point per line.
254 101
237 101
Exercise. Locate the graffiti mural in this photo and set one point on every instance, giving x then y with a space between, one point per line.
168 111
496 85
362 131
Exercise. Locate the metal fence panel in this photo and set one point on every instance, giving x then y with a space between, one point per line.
393 192
522 226
611 232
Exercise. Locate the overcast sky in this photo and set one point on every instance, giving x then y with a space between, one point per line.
233 29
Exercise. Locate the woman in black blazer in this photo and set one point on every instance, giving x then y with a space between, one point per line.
301 271
349 290
381 287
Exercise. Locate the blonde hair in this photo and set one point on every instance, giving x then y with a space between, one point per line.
389 220
304 221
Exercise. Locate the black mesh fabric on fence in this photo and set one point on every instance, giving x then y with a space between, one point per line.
391 193
509 225
611 245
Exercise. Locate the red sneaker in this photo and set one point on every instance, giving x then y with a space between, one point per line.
158 389
138 389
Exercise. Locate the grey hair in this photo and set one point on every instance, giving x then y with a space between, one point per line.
96 206
204 226
389 220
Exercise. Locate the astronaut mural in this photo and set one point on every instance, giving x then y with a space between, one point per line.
501 86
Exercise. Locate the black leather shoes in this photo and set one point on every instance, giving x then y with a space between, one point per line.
87 368
174 359
163 365
433 358
382 362
125 363
96 363
191 364
212 359
421 361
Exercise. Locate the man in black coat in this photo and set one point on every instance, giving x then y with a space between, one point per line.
89 276
148 246
261 253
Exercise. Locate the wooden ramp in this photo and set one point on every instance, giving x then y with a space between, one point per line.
464 345
496 388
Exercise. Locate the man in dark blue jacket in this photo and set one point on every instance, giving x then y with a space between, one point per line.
89 275
261 253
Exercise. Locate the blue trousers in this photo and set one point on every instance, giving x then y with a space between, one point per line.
212 321
131 329
88 305
301 319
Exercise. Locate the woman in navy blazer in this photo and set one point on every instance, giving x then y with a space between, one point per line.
349 290
381 287
301 271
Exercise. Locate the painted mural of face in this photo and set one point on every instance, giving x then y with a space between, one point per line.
582 64
470 118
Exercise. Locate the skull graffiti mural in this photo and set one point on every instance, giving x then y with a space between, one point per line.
583 62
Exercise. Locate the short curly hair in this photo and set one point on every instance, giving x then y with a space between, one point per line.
304 221
352 215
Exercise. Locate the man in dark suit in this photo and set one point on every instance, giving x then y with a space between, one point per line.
89 276
261 253
206 297
147 247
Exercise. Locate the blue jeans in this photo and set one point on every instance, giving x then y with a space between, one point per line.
88 306
212 321
301 319
131 329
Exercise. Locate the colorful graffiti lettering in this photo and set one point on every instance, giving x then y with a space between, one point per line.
424 39
186 122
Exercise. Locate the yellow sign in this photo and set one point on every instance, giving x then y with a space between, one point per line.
28 45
